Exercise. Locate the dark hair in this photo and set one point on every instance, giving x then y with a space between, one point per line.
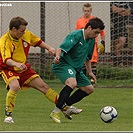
16 22
95 23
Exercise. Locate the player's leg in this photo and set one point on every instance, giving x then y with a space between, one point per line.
79 94
85 89
12 85
66 74
40 85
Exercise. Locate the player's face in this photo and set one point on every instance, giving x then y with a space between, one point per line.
91 33
87 11
18 33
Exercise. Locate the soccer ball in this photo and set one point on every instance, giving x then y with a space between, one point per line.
108 114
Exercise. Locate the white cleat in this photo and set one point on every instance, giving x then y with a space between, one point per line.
71 110
9 120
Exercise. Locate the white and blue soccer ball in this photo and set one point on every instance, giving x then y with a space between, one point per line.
108 114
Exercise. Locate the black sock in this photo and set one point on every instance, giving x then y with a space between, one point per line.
63 96
76 97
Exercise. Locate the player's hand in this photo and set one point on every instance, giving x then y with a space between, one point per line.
56 59
101 47
93 76
21 66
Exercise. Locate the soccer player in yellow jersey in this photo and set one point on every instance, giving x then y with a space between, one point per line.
14 69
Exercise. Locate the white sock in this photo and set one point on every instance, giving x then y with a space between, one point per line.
56 109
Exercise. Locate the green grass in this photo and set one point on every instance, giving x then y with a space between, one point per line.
32 110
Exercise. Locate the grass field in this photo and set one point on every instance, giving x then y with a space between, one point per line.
32 110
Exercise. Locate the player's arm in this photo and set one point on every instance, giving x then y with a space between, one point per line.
125 12
89 69
57 57
6 57
50 49
121 11
13 63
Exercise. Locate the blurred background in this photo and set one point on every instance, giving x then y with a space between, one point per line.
52 21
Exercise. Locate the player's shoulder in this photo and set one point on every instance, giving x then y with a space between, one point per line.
28 34
5 37
76 32
80 19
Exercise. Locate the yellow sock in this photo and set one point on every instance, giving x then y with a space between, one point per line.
52 95
10 100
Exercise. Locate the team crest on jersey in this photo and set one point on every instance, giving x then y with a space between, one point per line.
70 71
25 44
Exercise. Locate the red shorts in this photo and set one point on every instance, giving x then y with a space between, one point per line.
23 78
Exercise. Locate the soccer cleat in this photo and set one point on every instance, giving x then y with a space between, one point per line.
55 116
71 110
8 119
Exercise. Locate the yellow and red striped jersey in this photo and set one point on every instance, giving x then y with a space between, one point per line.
17 50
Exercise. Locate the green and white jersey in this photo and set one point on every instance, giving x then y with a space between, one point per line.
76 49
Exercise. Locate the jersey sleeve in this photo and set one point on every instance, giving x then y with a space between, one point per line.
32 39
5 50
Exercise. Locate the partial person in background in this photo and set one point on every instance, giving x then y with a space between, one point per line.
131 16
98 49
120 12
16 72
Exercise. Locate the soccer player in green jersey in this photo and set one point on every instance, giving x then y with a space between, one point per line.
76 49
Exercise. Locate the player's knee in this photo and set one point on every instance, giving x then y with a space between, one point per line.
14 86
71 82
72 85
43 88
90 89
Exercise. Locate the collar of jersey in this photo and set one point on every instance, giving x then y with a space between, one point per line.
11 38
83 33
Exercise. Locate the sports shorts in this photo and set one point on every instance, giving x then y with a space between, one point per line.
64 71
24 78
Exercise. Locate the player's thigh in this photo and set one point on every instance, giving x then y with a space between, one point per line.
64 71
14 85
10 78
38 84
82 80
